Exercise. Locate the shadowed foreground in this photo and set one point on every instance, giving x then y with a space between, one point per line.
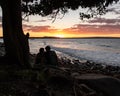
68 79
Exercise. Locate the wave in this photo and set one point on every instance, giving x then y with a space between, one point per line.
97 50
102 57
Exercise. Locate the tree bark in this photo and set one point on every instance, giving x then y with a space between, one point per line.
16 43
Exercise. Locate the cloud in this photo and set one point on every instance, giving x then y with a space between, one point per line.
41 21
114 10
38 28
94 29
98 26
118 16
104 20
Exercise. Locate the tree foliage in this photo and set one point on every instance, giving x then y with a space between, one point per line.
46 7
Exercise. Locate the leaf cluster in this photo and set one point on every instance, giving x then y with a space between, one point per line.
54 7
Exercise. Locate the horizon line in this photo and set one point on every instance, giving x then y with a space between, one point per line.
72 37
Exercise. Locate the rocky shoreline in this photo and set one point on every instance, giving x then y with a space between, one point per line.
84 66
71 78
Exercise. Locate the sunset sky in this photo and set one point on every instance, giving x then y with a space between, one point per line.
71 26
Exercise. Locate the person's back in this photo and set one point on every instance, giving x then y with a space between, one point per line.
51 57
40 58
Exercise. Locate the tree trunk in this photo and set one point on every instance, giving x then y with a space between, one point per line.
16 43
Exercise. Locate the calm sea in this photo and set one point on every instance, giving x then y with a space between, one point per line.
105 51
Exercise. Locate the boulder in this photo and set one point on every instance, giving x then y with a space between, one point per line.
109 86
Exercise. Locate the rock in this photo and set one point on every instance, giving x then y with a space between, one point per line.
109 86
60 86
74 74
40 93
87 91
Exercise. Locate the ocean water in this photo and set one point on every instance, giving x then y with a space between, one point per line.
104 51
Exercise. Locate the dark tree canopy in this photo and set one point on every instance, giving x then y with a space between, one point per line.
46 7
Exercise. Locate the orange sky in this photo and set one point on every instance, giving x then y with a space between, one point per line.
71 26
75 33
93 28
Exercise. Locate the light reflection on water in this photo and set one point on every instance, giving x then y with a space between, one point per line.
109 45
105 51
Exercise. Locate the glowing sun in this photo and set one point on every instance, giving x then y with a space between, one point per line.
60 35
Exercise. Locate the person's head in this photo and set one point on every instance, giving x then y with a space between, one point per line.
27 34
41 50
47 48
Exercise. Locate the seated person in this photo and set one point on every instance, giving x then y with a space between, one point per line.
40 58
51 56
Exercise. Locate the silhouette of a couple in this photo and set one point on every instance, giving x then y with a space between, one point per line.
47 57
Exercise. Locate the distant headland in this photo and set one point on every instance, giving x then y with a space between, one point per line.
52 37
